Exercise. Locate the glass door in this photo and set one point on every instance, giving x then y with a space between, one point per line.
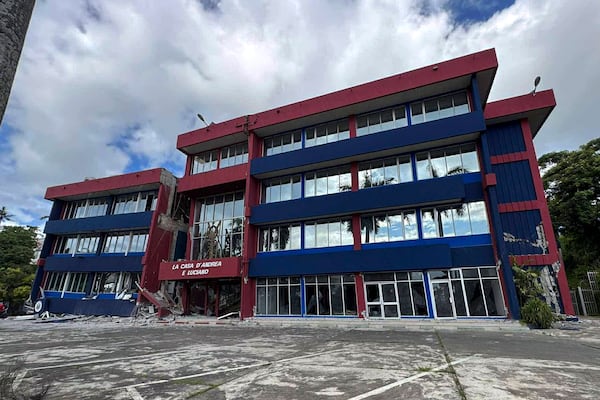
443 299
382 300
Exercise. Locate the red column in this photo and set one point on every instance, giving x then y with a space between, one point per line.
188 246
563 285
360 295
352 125
251 198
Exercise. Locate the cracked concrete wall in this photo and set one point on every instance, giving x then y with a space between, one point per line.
14 21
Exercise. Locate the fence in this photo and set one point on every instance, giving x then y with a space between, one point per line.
586 299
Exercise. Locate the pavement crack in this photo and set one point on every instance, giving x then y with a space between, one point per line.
450 369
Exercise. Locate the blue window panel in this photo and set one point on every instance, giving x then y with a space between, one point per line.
451 188
94 264
521 232
103 223
515 182
121 308
396 258
393 139
505 139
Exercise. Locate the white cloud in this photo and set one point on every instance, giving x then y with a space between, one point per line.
98 83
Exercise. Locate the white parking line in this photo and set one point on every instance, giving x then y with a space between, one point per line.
19 379
218 371
135 395
409 379
105 360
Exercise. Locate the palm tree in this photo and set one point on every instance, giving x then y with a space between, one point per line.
4 215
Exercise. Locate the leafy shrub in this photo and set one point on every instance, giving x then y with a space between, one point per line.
537 313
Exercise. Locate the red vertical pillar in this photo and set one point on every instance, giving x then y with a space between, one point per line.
360 295
563 285
251 198
190 235
352 125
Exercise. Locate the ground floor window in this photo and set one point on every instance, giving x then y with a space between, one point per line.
74 282
115 282
306 295
395 294
55 281
278 296
466 292
330 295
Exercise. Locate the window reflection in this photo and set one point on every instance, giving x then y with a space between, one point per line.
454 220
381 121
284 237
449 161
385 172
328 233
440 107
218 226
389 227
330 181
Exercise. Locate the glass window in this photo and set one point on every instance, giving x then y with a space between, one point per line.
327 133
384 172
478 217
381 121
218 226
234 155
85 208
429 223
328 233
327 182
278 296
449 161
440 107
281 189
389 227
285 237
204 162
283 143
135 202
327 295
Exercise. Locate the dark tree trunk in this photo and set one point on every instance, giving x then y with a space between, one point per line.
14 21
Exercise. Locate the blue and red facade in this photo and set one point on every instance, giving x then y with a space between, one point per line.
103 238
406 197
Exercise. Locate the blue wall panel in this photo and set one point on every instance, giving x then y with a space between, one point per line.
122 308
421 257
94 263
383 197
392 139
505 139
103 223
520 235
515 182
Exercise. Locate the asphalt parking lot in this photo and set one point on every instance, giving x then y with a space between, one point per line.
109 360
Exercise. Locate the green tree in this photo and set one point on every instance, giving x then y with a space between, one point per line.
572 185
4 215
17 245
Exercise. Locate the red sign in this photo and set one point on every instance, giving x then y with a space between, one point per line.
200 269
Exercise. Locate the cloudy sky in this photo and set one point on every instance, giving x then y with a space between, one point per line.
104 87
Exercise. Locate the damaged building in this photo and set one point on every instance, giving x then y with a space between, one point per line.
406 197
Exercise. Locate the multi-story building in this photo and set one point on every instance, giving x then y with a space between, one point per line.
410 196
103 238
406 197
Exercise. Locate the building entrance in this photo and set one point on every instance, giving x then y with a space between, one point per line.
382 299
443 299
215 298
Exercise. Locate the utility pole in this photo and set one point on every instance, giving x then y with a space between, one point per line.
14 21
